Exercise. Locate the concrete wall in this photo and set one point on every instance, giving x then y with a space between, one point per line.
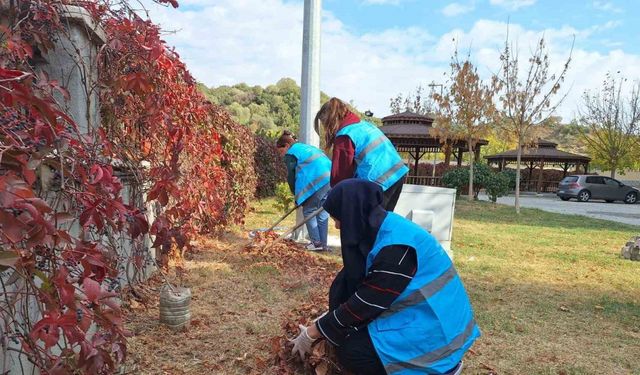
73 63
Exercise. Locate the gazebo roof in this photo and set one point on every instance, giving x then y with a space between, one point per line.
409 125
408 117
543 151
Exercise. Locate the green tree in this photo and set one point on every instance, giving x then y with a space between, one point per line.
265 110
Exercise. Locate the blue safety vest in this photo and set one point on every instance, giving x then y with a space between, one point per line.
376 158
312 171
430 326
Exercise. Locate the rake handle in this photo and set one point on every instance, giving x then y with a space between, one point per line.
282 218
303 222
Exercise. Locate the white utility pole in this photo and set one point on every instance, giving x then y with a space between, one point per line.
310 83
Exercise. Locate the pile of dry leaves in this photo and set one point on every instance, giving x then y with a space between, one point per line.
322 359
301 266
291 258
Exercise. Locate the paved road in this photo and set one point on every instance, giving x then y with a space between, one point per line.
618 211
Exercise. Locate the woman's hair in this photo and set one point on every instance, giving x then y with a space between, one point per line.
330 114
287 138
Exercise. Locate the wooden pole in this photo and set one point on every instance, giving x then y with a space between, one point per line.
539 187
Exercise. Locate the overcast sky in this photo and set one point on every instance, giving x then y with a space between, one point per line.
375 49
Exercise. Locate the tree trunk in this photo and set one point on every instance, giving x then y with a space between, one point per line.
613 172
471 161
447 154
540 177
518 160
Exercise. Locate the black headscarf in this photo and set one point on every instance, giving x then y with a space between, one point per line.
357 204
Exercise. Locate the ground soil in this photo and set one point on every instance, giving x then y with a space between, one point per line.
245 303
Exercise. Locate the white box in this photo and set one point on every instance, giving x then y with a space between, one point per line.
430 207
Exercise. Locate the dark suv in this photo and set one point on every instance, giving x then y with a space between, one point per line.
585 187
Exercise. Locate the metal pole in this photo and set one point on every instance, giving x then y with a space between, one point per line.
435 154
310 83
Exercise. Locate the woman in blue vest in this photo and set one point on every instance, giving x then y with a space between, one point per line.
308 171
409 312
361 150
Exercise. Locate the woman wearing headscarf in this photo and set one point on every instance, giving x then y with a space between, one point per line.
398 305
308 170
360 150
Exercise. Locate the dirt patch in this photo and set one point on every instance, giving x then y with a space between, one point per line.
246 303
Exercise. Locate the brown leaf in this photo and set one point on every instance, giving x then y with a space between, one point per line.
320 349
491 369
322 368
8 259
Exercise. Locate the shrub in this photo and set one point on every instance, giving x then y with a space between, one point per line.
284 198
269 166
511 175
482 175
426 169
239 184
458 178
498 185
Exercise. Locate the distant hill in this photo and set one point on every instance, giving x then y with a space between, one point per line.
266 110
567 136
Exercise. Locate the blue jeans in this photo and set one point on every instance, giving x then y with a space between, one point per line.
318 227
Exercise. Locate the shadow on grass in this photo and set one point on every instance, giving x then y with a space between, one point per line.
487 212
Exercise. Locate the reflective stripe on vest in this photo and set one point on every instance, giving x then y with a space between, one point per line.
311 185
308 161
377 142
380 180
313 170
430 326
436 355
376 158
423 293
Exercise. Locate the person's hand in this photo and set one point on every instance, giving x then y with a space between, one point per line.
302 343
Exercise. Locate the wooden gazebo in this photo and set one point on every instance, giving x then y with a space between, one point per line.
542 154
415 134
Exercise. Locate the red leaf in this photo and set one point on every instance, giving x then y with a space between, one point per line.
91 289
12 229
66 291
86 217
96 173
47 329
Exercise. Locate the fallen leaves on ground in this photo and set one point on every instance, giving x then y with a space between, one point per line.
303 266
247 302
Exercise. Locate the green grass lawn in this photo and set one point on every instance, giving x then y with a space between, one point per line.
550 292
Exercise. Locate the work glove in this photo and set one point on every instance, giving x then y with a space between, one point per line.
302 343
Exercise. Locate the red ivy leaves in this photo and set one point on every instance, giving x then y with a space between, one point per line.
195 161
48 328
35 133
